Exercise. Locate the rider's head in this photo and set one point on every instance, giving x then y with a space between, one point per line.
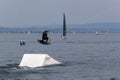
46 30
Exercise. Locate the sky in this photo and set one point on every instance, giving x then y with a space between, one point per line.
46 12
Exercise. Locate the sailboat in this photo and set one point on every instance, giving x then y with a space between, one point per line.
64 27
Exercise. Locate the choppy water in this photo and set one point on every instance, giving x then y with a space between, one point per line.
84 56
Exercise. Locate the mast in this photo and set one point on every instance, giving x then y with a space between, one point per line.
64 26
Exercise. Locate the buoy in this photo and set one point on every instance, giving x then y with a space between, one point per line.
37 60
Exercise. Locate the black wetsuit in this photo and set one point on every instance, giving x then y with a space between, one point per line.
44 36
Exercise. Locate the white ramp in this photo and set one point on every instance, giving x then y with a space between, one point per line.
37 60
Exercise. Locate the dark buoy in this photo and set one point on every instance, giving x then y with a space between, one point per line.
22 42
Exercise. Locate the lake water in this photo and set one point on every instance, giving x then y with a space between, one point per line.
85 57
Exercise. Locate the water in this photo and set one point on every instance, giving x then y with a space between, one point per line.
84 56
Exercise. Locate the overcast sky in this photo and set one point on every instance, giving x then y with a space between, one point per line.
44 12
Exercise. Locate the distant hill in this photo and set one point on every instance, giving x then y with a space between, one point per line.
80 28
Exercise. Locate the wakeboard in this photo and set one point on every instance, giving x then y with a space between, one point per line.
43 42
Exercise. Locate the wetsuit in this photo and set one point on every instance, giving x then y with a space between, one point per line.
44 36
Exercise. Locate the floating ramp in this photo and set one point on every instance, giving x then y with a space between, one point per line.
38 60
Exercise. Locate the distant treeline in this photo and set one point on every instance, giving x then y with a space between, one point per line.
78 28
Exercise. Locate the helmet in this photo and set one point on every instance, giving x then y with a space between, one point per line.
46 30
